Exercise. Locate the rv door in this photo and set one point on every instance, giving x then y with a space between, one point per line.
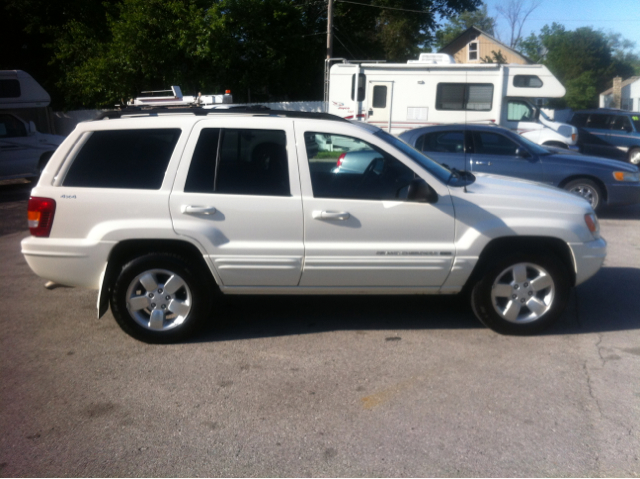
380 95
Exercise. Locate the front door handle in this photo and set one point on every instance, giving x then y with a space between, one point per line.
330 215
488 163
198 210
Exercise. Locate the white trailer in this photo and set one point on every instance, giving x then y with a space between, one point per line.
434 90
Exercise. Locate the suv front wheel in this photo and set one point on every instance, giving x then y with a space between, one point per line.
521 295
160 298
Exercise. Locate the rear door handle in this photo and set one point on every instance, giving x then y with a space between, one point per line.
198 210
330 215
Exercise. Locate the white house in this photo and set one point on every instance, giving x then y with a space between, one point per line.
623 94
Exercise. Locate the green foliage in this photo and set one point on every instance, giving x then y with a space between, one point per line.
459 23
496 57
584 60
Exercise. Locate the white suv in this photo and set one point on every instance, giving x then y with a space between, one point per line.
160 209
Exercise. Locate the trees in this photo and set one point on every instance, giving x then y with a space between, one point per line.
516 13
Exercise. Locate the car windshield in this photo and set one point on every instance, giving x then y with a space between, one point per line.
436 169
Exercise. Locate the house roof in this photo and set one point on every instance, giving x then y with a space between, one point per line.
628 81
480 32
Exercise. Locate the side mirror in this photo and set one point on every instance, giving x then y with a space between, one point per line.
420 192
522 153
32 128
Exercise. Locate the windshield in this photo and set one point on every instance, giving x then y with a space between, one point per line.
436 169
533 147
544 115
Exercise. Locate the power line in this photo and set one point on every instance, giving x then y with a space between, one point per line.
345 47
385 8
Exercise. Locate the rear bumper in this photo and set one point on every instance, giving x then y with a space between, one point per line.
588 258
67 262
623 194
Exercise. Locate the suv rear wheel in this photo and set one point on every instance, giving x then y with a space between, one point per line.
521 295
160 298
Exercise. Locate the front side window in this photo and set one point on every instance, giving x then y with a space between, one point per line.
493 144
240 162
519 111
11 127
527 81
464 96
134 159
443 142
598 121
346 167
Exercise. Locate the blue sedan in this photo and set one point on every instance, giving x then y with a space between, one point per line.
495 150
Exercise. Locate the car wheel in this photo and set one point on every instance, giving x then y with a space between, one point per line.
634 156
160 298
521 295
587 189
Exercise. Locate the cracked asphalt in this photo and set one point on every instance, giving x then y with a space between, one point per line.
332 386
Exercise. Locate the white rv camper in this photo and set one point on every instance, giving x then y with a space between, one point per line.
435 90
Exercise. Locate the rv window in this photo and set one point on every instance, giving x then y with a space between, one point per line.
527 81
9 89
519 111
134 159
379 96
464 96
362 81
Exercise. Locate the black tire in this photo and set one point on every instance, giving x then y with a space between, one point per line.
495 300
181 311
587 189
634 156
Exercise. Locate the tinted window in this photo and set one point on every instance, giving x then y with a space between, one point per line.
598 121
621 123
9 88
464 96
345 167
241 162
123 159
636 121
11 127
379 96
443 142
579 119
362 80
493 144
527 81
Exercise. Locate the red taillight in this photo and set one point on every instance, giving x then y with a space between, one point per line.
40 215
340 159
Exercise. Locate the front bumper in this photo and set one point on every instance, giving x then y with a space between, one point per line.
588 258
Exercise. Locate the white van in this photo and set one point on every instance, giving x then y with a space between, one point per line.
23 150
435 90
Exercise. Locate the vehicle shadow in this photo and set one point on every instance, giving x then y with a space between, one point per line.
605 303
15 190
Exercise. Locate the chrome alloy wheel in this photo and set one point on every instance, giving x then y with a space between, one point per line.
587 192
159 299
522 293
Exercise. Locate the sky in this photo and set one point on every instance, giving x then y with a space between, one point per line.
621 16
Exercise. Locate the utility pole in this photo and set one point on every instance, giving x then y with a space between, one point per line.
327 62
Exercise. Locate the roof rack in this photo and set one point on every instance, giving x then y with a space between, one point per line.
227 109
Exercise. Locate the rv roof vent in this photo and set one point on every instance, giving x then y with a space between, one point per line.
435 58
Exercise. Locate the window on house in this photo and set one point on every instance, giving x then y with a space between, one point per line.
464 96
473 51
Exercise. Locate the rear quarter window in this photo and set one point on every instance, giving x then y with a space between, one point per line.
133 159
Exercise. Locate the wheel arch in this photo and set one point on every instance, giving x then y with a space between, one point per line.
127 250
595 179
498 247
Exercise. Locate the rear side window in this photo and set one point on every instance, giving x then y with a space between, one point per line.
464 96
240 162
443 142
598 121
579 120
134 159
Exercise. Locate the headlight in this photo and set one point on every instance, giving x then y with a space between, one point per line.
626 176
592 223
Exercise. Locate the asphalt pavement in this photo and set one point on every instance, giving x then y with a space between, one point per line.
320 386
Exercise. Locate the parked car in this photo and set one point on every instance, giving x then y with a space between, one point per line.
609 133
24 151
233 202
492 149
